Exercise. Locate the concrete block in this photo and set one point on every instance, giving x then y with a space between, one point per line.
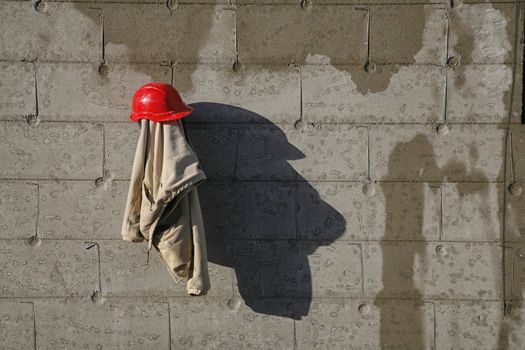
334 323
116 324
296 268
408 34
248 210
433 270
81 209
395 94
332 210
121 144
351 211
201 33
246 258
253 94
406 211
206 323
287 34
480 325
336 268
265 152
18 209
125 272
215 146
469 325
420 153
479 94
29 34
472 211
482 33
94 96
51 150
16 325
47 269
17 89
327 152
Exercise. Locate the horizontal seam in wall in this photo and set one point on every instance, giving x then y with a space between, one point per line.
294 240
248 64
149 297
237 181
227 5
268 123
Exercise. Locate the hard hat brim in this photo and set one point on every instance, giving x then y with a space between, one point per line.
161 117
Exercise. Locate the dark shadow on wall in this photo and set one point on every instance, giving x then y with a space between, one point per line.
415 160
252 226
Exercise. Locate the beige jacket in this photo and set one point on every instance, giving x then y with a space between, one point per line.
163 204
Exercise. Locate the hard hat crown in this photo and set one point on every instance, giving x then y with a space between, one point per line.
158 102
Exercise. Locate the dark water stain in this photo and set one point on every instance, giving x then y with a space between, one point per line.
391 40
464 47
407 159
192 31
374 82
511 18
196 30
481 188
394 37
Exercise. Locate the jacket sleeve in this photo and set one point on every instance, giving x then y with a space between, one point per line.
199 282
131 221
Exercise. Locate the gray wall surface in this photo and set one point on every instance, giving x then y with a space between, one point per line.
365 164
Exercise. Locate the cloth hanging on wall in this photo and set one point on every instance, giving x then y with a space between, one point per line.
163 205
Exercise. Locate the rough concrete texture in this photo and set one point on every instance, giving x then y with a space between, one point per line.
365 164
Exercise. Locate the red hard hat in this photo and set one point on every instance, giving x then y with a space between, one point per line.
159 102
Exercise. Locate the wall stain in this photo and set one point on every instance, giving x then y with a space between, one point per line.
193 30
394 37
467 42
410 156
376 81
405 214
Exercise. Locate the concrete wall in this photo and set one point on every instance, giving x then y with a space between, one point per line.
364 166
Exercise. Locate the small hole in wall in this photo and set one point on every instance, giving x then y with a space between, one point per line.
103 69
